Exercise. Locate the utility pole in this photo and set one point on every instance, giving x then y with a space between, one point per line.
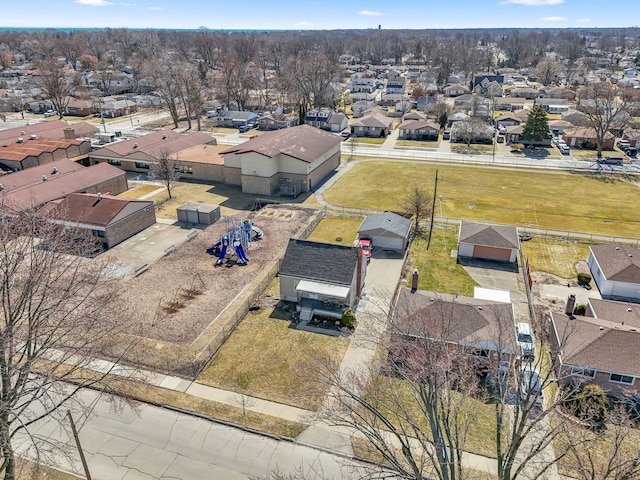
77 439
433 209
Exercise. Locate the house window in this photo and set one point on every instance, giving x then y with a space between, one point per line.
618 378
114 162
583 372
183 169
142 165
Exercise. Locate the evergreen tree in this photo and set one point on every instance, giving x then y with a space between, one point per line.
537 126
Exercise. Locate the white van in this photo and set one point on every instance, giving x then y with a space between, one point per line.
525 340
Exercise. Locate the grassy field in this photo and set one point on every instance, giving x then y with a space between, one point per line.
561 201
141 191
555 256
264 358
370 140
439 272
331 228
418 144
462 148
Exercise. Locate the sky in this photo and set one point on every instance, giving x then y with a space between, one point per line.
320 14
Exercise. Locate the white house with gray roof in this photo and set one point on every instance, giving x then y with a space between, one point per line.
616 270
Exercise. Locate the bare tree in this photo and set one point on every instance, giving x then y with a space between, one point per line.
165 168
55 85
605 107
58 313
470 130
417 203
549 71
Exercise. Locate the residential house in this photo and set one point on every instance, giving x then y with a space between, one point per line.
488 241
236 119
481 329
286 162
321 278
525 92
633 137
507 120
456 117
455 90
413 116
396 85
553 105
512 133
362 97
38 185
557 126
391 99
362 85
80 107
616 270
358 108
372 124
598 350
418 130
276 121
585 137
326 120
562 92
118 108
386 230
110 219
472 130
509 104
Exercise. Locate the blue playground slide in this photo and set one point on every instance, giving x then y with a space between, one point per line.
240 253
212 249
223 253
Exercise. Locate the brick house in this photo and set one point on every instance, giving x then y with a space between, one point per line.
372 124
276 121
418 130
585 137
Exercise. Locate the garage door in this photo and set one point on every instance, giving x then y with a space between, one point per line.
491 253
392 243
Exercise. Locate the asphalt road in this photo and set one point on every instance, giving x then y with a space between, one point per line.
155 443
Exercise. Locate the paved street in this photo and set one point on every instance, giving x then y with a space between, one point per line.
154 443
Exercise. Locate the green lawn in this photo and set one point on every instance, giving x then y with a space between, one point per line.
370 140
330 229
438 271
555 256
561 201
265 358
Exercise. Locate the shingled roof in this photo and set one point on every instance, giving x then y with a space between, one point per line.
302 142
488 235
50 129
323 262
389 221
598 344
94 209
618 262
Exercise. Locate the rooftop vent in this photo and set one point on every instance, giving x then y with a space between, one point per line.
44 178
1 187
600 327
33 137
617 248
630 255
99 196
22 132
54 170
135 145
164 137
628 309
479 308
20 140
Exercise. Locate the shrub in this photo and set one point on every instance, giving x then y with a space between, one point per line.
590 405
348 318
580 309
584 278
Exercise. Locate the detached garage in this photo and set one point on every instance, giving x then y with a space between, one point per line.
386 230
488 242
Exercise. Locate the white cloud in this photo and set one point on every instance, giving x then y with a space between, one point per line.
155 8
553 19
584 20
94 3
304 24
370 13
532 3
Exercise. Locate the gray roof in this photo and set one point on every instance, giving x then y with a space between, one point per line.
323 262
389 221
618 262
489 235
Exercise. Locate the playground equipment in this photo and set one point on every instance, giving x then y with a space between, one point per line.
238 235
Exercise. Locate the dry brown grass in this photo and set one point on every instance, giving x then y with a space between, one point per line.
555 256
142 190
265 358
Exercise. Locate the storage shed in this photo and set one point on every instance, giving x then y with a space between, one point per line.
386 230
196 212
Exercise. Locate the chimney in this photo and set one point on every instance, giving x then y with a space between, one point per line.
571 303
414 281
69 133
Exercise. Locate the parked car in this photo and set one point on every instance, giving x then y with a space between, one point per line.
446 134
212 113
500 138
623 144
243 128
531 385
564 149
526 342
631 152
365 246
611 161
345 135
50 113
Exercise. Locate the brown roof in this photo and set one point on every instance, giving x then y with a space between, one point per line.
584 132
488 235
474 321
27 188
153 145
418 125
33 148
618 262
50 129
304 142
617 312
91 209
598 344
209 154
374 119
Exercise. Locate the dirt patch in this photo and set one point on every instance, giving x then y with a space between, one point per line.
184 292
